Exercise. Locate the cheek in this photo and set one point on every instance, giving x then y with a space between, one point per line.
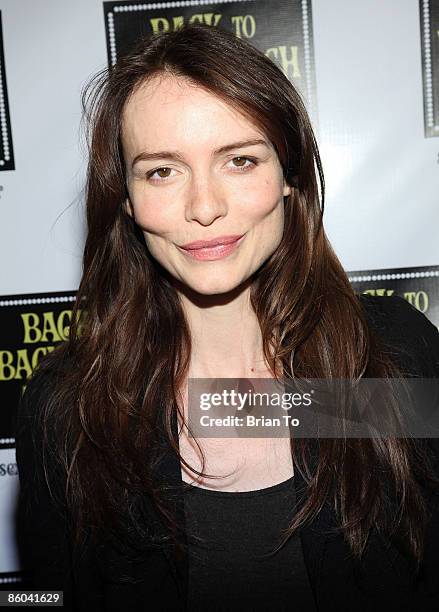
153 216
267 216
264 200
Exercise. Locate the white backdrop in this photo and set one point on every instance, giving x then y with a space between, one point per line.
382 173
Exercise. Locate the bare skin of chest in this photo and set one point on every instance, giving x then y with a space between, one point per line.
244 464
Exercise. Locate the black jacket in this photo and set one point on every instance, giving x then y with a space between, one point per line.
383 582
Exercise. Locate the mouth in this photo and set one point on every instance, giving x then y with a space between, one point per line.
219 240
217 248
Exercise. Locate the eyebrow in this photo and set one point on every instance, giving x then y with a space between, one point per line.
176 155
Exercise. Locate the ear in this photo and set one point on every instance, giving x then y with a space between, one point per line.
287 189
128 208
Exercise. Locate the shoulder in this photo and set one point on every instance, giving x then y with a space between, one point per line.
395 311
412 340
405 332
32 435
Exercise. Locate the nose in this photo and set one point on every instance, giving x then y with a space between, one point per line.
206 200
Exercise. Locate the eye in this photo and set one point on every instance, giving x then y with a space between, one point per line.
240 162
163 173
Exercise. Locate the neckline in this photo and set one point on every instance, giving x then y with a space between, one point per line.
253 493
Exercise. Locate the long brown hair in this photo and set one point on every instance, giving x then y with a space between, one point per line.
129 347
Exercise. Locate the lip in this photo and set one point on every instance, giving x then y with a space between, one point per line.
210 250
201 244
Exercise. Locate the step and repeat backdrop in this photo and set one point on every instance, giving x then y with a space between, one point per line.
369 75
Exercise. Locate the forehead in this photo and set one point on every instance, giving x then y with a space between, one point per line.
169 111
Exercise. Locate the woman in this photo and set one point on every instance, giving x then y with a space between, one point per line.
206 258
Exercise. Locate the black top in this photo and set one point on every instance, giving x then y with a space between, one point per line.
232 568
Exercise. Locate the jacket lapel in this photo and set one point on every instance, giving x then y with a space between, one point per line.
312 536
168 476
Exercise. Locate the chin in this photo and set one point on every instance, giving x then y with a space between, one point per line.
214 286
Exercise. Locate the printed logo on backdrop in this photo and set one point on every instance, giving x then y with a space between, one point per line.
6 149
31 325
429 13
419 286
282 29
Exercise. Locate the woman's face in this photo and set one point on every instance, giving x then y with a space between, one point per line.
198 170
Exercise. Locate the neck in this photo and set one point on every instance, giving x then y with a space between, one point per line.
225 333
